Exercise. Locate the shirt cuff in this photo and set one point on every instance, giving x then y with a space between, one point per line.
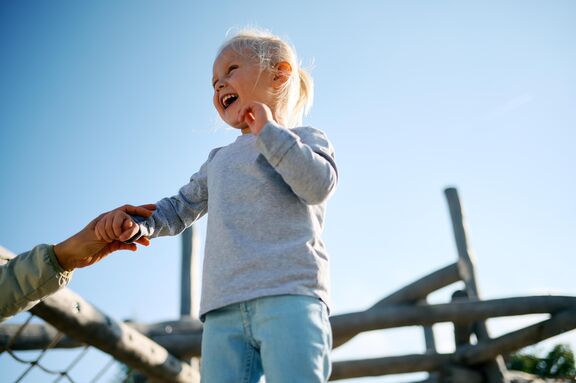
53 261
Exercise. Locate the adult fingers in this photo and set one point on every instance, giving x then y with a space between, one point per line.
107 231
97 231
123 246
100 230
115 246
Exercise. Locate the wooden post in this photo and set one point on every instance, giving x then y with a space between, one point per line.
430 342
188 286
462 331
429 339
188 304
494 371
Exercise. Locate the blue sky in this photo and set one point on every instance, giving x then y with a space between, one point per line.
105 103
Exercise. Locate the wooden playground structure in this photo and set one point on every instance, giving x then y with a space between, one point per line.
168 351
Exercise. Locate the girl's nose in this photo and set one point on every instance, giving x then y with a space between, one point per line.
220 85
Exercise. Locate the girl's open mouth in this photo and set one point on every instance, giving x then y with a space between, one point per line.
228 100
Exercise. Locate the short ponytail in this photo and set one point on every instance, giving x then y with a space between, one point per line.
306 98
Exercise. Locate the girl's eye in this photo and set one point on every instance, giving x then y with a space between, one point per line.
230 69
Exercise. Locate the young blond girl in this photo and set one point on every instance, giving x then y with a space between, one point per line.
265 275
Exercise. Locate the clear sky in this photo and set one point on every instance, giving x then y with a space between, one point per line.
105 103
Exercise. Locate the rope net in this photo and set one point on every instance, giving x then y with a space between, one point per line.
48 364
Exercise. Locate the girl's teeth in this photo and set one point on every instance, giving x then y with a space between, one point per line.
228 99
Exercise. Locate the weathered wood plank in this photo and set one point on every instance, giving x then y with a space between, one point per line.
181 338
559 323
184 337
422 287
70 313
458 312
494 371
402 364
465 356
411 293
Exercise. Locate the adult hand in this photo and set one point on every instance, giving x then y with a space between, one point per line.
84 248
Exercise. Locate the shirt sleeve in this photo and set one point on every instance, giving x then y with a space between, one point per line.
28 278
176 213
304 157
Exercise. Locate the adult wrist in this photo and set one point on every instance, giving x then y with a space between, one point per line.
62 256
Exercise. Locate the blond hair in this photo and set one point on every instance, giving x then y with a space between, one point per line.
296 95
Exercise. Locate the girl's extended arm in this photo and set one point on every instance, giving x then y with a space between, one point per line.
176 213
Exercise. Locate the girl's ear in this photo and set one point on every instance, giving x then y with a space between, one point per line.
282 74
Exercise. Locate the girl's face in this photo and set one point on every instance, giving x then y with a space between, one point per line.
238 80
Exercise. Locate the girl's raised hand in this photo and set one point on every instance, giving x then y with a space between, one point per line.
255 115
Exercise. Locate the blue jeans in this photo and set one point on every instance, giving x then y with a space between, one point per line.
287 338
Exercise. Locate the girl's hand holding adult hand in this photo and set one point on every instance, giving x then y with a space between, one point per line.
86 247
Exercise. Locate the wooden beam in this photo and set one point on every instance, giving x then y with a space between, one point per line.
402 364
184 337
422 287
33 337
344 325
37 336
465 356
71 314
559 323
411 293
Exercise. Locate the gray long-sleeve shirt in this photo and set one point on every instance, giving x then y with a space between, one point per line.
266 196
